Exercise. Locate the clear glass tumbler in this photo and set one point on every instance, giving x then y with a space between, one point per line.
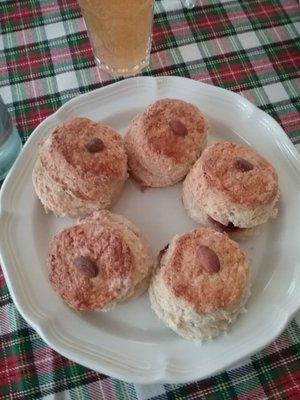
10 141
120 33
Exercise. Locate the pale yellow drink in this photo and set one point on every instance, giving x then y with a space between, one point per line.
120 33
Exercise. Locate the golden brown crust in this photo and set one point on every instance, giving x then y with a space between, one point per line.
164 142
256 187
186 278
103 246
69 163
162 139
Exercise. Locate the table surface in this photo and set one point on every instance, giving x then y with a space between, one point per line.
249 47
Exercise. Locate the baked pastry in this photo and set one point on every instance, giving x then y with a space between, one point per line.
231 188
81 167
99 262
163 143
201 284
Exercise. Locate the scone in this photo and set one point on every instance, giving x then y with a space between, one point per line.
231 188
201 284
99 262
163 143
81 167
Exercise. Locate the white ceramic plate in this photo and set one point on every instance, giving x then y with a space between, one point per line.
129 342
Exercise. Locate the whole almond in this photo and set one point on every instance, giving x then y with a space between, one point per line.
94 145
243 165
208 259
86 266
178 128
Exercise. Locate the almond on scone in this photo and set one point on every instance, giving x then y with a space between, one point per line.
99 262
201 284
231 188
81 167
164 141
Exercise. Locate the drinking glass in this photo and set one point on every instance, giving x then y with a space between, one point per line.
120 33
10 141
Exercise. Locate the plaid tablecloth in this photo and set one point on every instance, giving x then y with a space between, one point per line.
250 47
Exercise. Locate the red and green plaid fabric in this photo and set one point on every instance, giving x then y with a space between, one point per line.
248 46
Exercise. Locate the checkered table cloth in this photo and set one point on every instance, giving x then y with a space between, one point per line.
249 47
